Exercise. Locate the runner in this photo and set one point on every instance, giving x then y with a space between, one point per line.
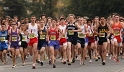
72 29
14 42
91 38
16 20
42 41
3 43
102 30
33 38
116 30
53 41
96 22
81 40
23 43
63 41
49 23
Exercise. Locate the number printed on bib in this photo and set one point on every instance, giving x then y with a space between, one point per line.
102 35
2 38
90 35
70 32
42 36
63 36
80 35
32 35
116 33
14 38
24 38
53 37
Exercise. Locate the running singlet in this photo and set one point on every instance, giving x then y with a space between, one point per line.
117 29
102 30
14 36
24 37
80 35
70 28
53 34
90 29
32 30
43 36
62 28
3 36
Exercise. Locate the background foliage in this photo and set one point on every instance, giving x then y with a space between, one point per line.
91 8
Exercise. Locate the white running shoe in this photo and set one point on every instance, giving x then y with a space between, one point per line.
13 66
90 61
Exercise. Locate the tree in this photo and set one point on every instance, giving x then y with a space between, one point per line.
16 7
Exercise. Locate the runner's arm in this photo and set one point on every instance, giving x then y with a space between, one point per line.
26 27
79 28
96 29
9 36
86 29
109 30
47 35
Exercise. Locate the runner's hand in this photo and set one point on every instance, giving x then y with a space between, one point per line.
20 43
6 41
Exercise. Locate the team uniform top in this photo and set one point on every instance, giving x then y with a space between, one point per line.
43 36
80 35
53 34
63 28
71 27
32 30
117 31
102 30
3 36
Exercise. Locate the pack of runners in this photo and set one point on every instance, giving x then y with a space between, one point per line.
69 38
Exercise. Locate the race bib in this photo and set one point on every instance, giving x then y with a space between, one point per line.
90 35
2 38
102 35
116 33
80 35
14 38
70 32
32 35
53 37
24 38
63 36
42 37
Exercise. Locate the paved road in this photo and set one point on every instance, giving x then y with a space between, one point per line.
110 66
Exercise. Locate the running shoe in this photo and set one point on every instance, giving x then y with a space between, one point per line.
13 66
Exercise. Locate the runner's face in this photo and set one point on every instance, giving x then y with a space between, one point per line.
102 20
53 22
42 23
3 27
33 19
10 23
113 17
96 20
43 17
71 18
80 20
62 21
49 20
14 24
37 22
116 18
84 21
89 23
26 19
15 18
22 25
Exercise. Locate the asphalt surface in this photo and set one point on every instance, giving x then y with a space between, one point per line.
110 66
